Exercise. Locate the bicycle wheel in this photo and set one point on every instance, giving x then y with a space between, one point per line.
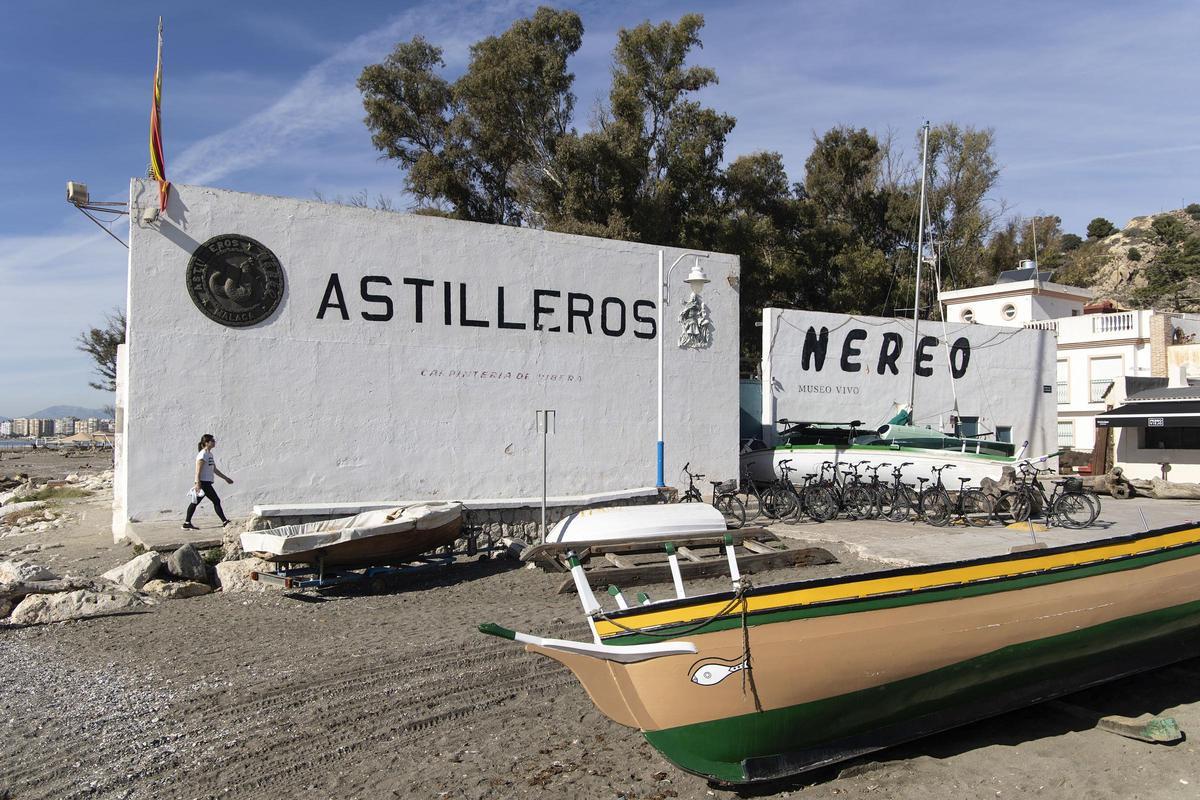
858 502
820 503
976 508
691 496
1072 511
1094 500
1019 505
778 503
732 509
936 507
903 503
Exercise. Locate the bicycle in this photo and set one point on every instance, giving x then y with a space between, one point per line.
765 504
1068 505
900 499
814 501
724 498
971 506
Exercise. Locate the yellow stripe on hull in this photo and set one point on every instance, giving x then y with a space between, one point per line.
874 587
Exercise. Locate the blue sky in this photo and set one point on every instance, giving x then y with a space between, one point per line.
1092 104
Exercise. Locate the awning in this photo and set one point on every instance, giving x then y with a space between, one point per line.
1169 414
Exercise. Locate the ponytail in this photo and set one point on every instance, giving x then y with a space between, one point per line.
205 439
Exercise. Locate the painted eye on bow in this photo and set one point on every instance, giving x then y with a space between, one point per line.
712 674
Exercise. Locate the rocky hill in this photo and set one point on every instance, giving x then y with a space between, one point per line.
1123 262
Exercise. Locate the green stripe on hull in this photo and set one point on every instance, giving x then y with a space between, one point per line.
1019 675
909 599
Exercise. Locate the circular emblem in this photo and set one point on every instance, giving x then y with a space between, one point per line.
234 280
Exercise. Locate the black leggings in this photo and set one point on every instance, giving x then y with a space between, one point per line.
211 494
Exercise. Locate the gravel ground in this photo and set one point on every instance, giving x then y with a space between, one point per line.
396 695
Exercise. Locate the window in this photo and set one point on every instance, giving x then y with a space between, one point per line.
1171 439
1009 311
1103 371
968 426
967 315
1066 433
1004 433
1063 386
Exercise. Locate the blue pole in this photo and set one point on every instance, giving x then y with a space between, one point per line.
660 464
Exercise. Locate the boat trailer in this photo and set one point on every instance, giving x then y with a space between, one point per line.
319 576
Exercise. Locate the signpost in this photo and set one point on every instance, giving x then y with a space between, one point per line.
545 425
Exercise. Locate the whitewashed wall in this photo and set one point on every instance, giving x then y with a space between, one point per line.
1004 381
345 410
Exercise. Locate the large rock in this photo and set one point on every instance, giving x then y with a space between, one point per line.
22 571
175 590
234 576
39 609
5 607
11 511
136 572
186 563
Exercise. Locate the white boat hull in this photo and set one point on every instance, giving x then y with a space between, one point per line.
629 523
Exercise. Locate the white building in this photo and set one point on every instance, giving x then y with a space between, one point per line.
1155 425
1096 344
345 355
979 381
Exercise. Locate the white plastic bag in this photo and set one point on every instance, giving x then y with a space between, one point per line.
195 495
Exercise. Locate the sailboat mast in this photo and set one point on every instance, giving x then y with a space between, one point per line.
912 392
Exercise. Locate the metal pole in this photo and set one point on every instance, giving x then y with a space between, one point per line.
662 301
912 392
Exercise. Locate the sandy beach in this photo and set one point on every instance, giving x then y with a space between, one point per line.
396 694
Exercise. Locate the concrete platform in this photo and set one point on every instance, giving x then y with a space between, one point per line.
166 537
913 543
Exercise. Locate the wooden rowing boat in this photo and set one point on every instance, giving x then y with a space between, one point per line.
373 538
759 683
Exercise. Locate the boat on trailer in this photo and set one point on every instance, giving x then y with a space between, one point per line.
385 536
808 445
758 683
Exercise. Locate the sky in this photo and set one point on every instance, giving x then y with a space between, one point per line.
1091 103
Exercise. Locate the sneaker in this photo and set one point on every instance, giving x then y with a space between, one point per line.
187 526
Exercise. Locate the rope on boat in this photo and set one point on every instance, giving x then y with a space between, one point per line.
739 598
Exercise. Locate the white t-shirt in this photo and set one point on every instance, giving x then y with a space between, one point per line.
207 465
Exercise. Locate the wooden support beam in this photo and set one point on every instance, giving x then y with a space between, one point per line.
758 547
617 561
689 555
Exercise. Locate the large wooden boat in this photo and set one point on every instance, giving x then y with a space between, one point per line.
759 683
373 538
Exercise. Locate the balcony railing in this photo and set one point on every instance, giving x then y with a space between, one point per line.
1043 325
1114 323
1099 387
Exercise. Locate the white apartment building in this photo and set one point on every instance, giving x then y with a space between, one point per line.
1096 344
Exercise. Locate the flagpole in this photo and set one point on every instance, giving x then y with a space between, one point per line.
158 167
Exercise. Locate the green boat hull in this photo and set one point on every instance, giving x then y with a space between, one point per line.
772 744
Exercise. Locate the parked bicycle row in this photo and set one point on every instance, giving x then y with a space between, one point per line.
848 491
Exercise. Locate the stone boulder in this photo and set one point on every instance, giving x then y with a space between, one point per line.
23 571
40 609
11 511
234 576
175 590
135 573
187 564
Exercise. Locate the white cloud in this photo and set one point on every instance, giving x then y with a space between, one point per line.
325 101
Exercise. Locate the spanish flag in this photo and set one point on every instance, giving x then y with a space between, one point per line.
158 167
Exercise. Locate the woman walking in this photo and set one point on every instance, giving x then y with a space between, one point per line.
206 469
